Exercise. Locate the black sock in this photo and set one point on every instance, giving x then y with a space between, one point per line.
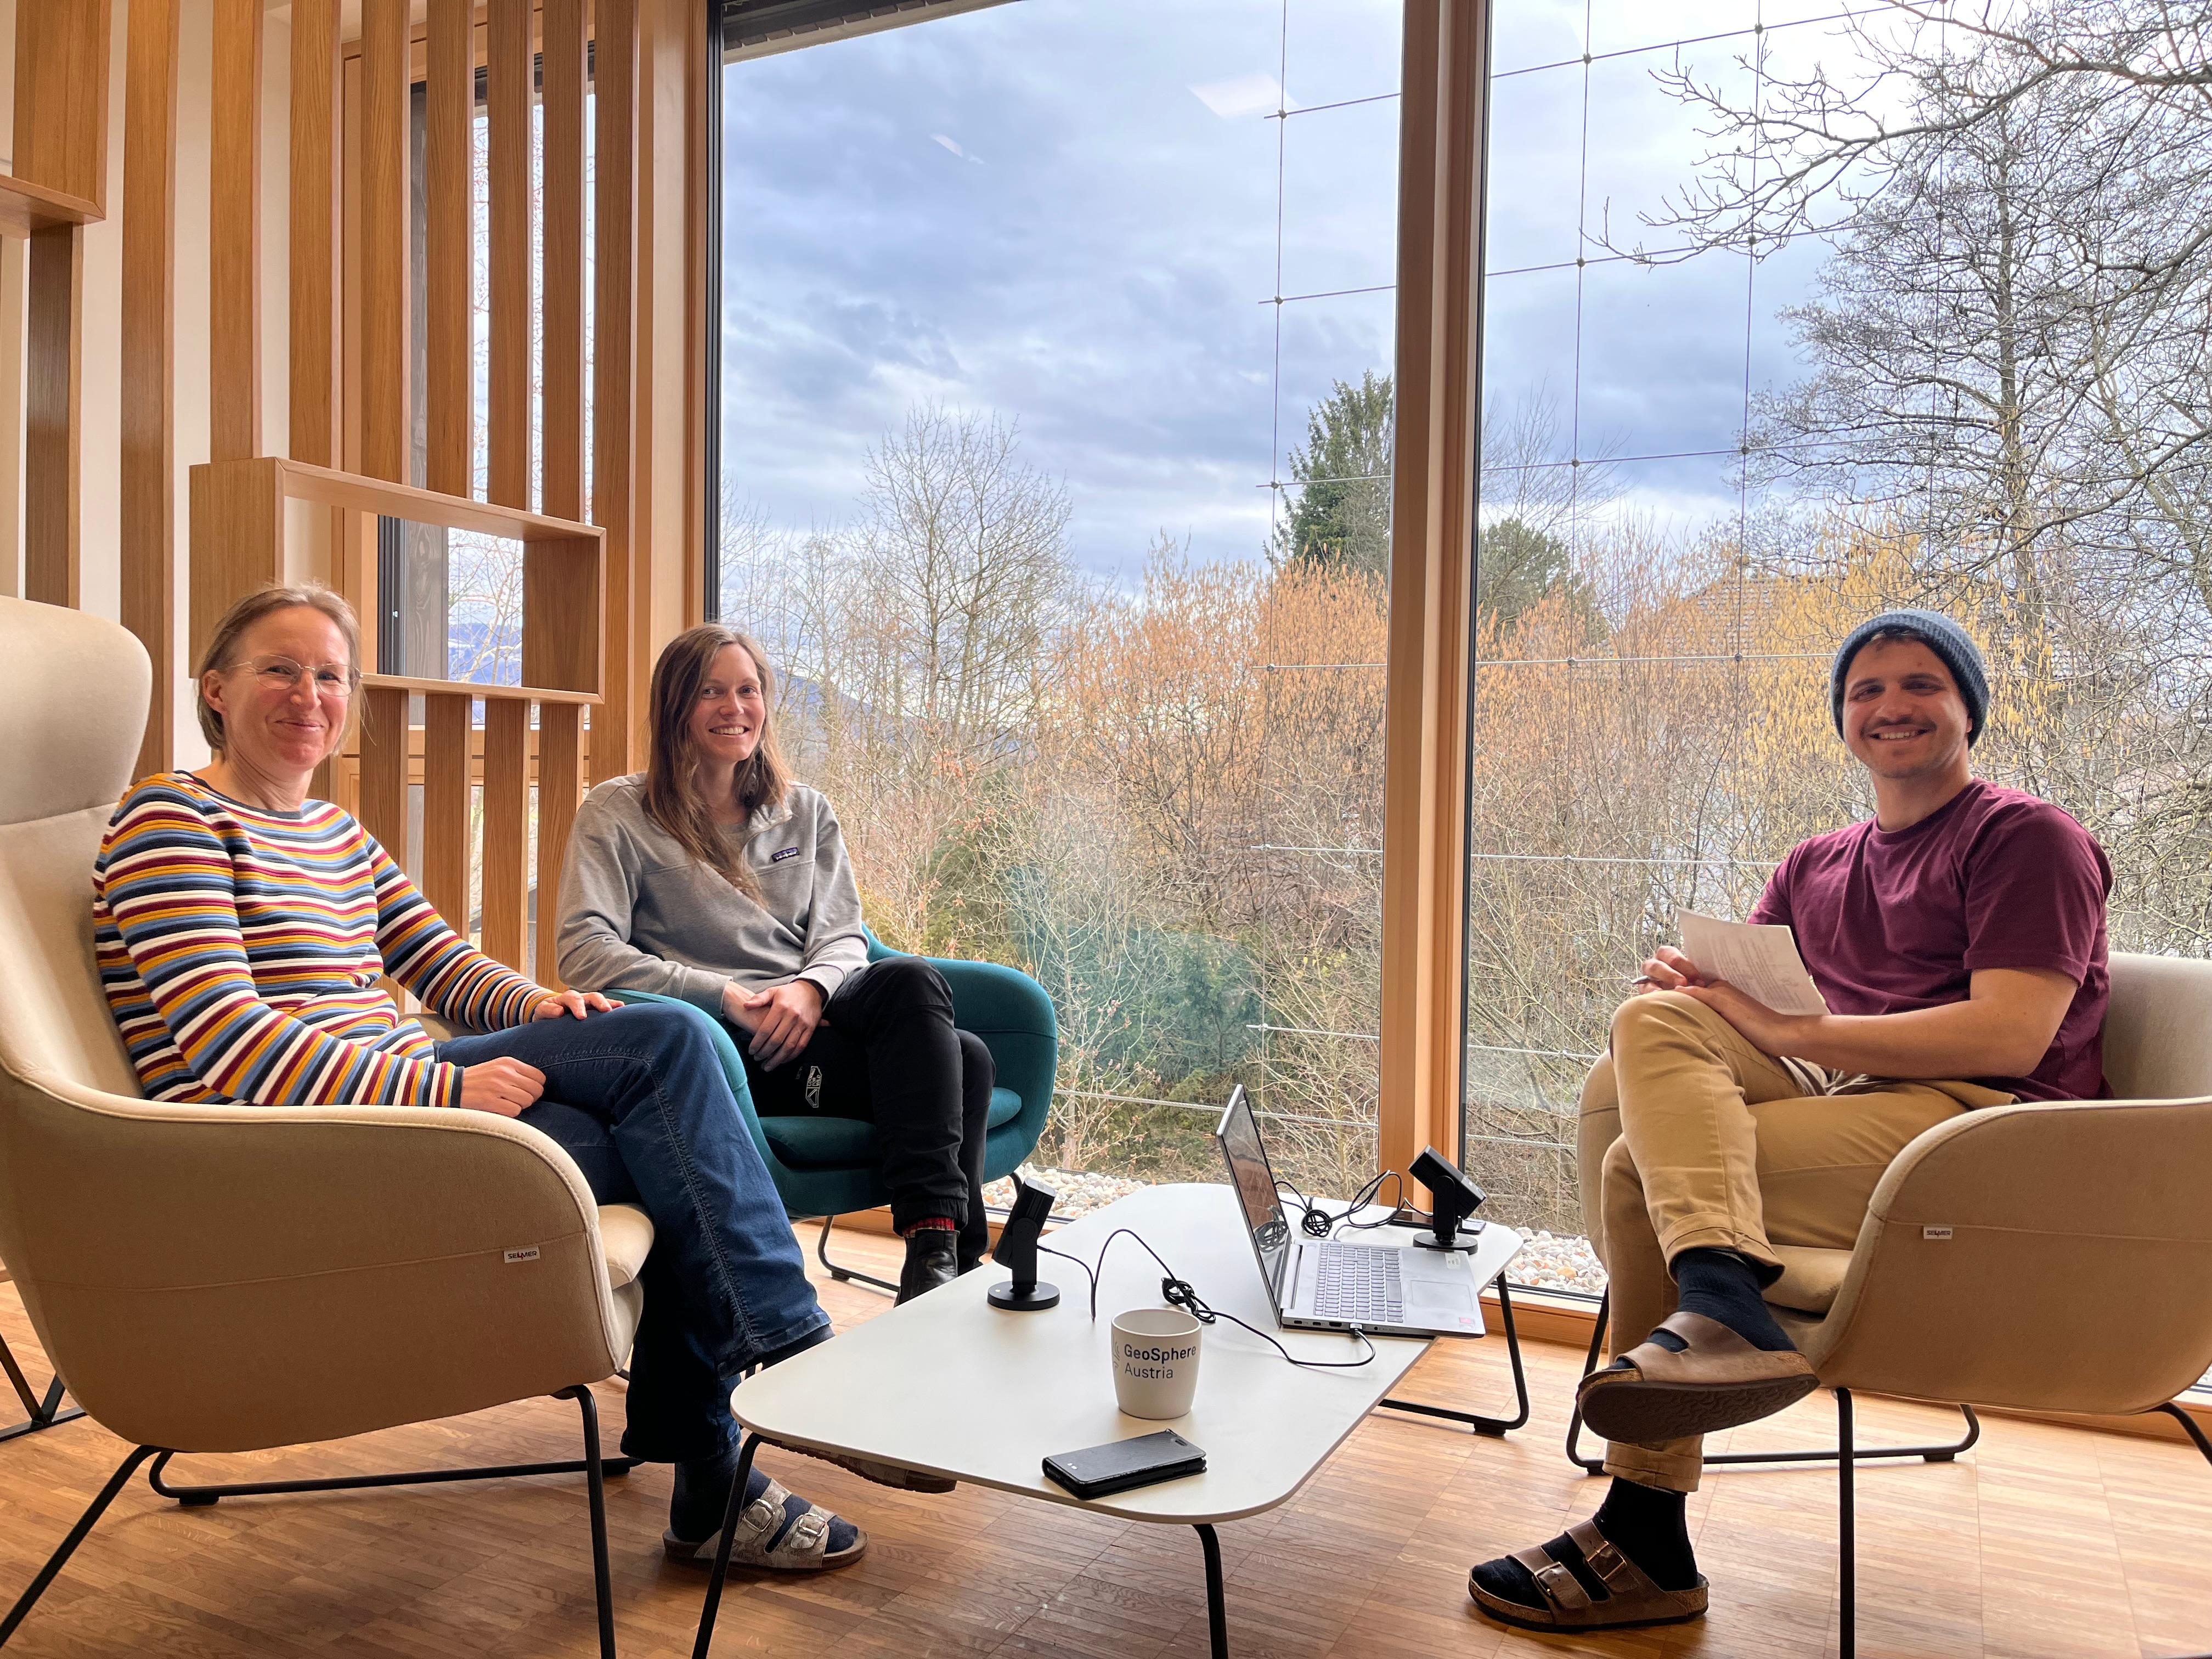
1721 1285
702 1497
1645 1523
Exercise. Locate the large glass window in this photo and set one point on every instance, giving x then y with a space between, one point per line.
1748 382
1056 354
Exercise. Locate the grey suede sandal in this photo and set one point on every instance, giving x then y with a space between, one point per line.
767 1536
1630 1597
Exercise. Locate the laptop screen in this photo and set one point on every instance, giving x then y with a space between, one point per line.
1255 1185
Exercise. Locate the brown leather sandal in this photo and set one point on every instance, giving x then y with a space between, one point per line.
1718 1382
1631 1597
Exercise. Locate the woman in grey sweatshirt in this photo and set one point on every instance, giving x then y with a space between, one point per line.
712 877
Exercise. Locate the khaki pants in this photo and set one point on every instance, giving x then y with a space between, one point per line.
1702 1141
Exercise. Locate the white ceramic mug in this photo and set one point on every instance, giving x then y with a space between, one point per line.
1155 1354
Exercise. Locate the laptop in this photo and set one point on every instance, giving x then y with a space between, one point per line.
1317 1285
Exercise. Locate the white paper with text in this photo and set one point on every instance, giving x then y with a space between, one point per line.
1761 962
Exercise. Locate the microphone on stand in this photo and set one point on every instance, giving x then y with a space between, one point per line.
1453 1199
1017 1250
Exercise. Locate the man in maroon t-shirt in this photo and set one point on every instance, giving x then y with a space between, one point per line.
1957 938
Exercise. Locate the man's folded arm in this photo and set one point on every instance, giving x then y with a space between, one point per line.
2003 1028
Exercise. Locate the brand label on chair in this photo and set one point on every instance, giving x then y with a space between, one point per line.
528 1253
1935 1232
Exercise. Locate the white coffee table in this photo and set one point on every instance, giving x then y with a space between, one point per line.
952 1386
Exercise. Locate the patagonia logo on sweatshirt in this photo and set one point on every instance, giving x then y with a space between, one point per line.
787 853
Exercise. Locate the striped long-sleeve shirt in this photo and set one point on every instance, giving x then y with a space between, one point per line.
240 949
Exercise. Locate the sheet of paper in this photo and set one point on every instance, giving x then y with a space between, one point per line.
1762 962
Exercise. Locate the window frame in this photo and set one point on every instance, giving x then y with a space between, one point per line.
1443 152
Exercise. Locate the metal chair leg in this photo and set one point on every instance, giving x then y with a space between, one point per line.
591 1465
2189 1427
844 1275
603 1588
1496 1427
38 1412
59 1558
1846 1530
1943 1453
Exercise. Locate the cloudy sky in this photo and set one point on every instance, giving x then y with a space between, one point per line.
1064 212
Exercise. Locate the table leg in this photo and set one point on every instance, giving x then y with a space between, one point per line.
1495 1426
730 1514
1217 1610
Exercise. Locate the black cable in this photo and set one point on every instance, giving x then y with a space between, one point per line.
1179 1293
1317 1222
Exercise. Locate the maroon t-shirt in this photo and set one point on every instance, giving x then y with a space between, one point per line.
1892 919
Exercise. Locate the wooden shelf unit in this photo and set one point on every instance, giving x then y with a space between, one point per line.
240 512
27 208
238 541
538 694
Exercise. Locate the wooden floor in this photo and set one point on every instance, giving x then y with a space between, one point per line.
2043 1542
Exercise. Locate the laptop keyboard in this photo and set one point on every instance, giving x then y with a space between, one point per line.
1356 1282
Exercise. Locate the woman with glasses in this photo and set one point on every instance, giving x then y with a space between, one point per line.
241 930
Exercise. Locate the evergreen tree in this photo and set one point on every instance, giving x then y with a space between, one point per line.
1340 519
1516 564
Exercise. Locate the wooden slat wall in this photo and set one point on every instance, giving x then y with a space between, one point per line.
446 806
316 333
507 114
147 518
563 374
317 190
53 416
382 253
384 768
560 787
350 284
61 108
507 829
237 538
448 155
614 360
234 234
450 189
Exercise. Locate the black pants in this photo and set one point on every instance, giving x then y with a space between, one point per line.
886 1053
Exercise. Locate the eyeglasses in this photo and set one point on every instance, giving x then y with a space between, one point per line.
332 679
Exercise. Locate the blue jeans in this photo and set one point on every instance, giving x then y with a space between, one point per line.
637 1097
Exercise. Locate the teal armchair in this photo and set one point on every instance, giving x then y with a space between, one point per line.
826 1166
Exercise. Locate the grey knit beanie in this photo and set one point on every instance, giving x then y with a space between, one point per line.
1940 635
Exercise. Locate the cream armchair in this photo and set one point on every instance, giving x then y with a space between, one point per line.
232 1279
2050 1257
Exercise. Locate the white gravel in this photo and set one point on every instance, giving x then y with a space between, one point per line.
1554 1261
1078 1195
1549 1261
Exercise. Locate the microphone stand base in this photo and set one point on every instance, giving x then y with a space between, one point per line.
1465 1242
1034 1298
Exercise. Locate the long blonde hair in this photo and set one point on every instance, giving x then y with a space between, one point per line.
673 799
